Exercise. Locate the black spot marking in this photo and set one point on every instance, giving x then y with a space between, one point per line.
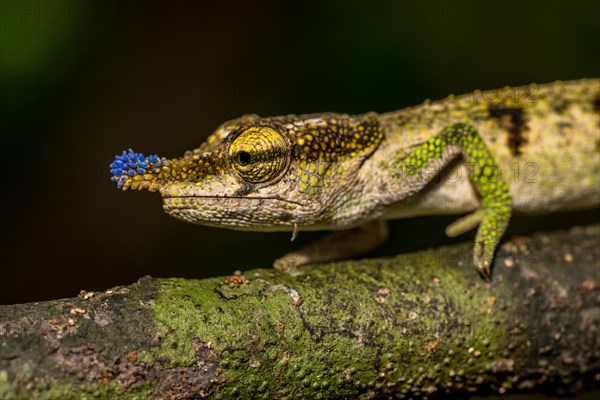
285 217
562 127
513 120
596 103
244 190
559 105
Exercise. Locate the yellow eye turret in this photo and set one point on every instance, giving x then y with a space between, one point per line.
259 154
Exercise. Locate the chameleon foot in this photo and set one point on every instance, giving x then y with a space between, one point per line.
336 246
492 223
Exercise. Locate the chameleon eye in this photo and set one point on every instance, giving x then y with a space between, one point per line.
259 154
244 158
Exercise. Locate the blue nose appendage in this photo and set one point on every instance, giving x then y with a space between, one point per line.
135 171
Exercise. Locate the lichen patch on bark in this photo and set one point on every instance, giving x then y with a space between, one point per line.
197 380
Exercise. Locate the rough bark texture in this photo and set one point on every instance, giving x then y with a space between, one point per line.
421 324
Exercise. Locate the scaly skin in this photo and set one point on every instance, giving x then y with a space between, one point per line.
527 149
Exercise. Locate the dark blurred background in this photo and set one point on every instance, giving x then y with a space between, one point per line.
81 81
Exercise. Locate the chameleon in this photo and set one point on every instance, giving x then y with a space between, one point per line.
484 155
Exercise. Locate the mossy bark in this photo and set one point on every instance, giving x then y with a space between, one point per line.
421 324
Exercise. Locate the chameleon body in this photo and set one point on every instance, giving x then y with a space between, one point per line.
530 149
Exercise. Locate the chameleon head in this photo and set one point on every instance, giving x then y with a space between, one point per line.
262 173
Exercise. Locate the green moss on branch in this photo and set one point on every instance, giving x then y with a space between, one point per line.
420 324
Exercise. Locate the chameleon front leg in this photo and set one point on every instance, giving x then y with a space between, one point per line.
493 214
339 245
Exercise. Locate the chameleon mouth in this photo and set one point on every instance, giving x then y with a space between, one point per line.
233 212
173 199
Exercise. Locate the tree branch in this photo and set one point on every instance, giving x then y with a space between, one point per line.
421 324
